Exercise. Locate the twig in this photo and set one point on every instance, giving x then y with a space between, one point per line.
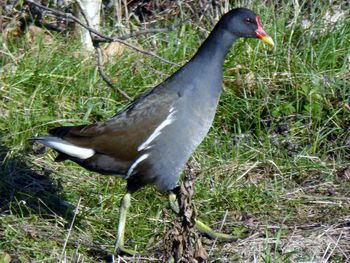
247 171
336 244
220 229
104 75
99 36
70 230
144 32
99 57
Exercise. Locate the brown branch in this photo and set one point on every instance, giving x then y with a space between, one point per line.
104 75
99 57
144 32
99 36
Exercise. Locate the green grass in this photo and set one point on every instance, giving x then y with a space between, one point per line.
273 162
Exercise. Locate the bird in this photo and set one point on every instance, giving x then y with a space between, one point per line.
151 139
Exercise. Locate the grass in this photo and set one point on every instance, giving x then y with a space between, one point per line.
273 164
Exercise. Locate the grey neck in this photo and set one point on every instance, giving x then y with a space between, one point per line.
207 64
215 47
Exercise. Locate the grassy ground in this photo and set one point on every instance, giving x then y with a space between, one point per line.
275 165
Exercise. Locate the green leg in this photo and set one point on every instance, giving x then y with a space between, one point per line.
124 206
203 228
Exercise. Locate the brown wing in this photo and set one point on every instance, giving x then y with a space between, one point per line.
120 136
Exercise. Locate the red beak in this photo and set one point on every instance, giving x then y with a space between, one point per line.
261 34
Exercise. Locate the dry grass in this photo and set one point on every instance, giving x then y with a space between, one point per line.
274 167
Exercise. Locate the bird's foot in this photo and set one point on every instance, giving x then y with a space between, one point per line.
202 228
121 250
174 205
210 233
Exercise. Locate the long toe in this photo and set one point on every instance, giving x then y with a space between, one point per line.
125 251
210 233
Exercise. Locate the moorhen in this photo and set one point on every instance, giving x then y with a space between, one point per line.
150 140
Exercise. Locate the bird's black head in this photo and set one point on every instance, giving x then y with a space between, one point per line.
243 22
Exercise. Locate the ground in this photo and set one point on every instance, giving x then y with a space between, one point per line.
273 170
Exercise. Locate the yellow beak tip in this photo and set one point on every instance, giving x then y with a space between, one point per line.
268 40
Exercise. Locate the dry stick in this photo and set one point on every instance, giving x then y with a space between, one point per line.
220 229
100 58
144 32
104 75
70 229
100 37
335 246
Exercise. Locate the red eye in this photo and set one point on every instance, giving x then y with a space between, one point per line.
248 20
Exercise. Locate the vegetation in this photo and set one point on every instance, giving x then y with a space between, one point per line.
274 167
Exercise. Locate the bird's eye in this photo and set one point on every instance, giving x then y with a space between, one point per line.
248 20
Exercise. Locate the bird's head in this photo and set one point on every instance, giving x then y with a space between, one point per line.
243 22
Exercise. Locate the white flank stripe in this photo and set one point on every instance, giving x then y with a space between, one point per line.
158 130
138 160
69 149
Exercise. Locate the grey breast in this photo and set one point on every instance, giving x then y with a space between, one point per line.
190 118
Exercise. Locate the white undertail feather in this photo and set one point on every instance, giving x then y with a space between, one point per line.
66 147
169 119
132 167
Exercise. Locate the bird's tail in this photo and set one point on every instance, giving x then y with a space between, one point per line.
65 148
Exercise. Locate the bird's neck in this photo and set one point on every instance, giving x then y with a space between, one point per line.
214 49
205 69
